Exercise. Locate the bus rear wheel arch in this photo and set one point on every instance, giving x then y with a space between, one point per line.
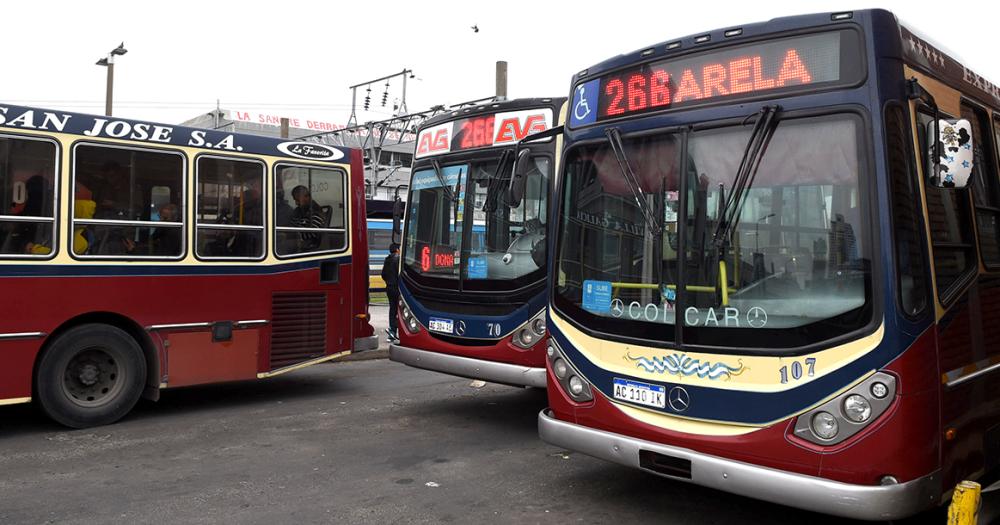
90 375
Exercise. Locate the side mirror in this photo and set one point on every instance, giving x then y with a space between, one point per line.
397 217
951 154
518 179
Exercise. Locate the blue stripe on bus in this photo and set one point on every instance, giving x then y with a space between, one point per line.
740 406
42 269
476 325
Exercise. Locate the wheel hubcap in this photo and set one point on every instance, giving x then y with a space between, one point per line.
93 377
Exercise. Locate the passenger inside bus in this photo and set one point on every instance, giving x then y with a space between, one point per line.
21 237
308 214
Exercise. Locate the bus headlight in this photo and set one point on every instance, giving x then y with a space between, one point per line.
409 321
824 425
857 408
569 378
530 332
560 368
849 413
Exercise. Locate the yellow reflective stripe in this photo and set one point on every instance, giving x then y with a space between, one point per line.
15 401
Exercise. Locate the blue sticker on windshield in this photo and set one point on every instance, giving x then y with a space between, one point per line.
597 296
669 294
585 103
478 268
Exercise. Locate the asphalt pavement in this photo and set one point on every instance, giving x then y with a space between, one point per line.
352 442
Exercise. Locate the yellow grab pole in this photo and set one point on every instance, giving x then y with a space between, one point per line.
964 508
724 283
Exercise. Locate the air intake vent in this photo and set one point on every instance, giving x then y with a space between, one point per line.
298 328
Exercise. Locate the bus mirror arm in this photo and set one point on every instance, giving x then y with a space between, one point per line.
518 178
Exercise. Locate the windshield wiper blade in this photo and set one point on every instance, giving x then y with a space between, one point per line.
760 136
491 189
615 139
440 177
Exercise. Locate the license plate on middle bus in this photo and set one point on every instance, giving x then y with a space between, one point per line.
437 324
641 393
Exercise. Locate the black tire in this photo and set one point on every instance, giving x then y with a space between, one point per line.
91 375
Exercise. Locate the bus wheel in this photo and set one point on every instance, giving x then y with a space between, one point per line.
91 375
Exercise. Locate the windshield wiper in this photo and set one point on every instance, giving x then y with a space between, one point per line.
760 136
615 139
491 189
451 194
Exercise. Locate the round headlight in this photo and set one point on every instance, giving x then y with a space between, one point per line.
575 385
550 350
527 338
560 368
825 425
857 408
538 325
406 313
412 323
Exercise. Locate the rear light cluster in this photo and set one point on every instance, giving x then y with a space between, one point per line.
409 321
569 378
531 332
848 413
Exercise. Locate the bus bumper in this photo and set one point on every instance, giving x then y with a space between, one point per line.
876 502
491 371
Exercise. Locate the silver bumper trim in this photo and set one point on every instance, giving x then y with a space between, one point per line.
491 371
875 502
362 344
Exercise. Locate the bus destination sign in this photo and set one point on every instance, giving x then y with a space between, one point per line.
786 64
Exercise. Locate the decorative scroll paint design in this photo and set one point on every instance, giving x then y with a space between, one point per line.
682 365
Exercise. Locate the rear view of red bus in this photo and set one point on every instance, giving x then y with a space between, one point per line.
137 256
472 278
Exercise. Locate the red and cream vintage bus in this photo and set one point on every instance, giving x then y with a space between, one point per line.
137 256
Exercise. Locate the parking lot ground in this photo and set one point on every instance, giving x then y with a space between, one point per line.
357 442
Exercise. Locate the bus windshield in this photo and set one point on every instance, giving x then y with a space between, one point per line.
498 241
793 270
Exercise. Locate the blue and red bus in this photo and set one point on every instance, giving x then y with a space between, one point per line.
775 256
473 255
137 256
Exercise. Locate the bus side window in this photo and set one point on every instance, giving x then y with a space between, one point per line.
132 188
985 190
230 209
310 211
27 190
906 214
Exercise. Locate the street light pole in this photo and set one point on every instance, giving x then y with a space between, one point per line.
109 62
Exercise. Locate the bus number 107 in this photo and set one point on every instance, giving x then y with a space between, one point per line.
797 368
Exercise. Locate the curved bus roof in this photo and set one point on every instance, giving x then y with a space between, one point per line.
915 49
14 117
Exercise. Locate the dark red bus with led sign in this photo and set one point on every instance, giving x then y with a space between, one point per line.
473 255
773 266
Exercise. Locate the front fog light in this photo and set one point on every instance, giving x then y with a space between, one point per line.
825 425
575 385
538 325
412 324
857 408
560 368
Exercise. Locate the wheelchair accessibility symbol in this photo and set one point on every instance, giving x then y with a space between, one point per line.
582 108
582 112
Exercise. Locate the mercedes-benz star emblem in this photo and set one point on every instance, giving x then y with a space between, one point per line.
678 399
460 329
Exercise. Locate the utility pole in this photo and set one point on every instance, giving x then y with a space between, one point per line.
284 128
501 80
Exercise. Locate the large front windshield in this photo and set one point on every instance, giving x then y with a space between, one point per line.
463 223
792 270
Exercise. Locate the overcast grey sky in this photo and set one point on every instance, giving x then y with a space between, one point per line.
297 58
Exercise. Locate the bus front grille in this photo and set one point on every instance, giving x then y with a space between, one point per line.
298 328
